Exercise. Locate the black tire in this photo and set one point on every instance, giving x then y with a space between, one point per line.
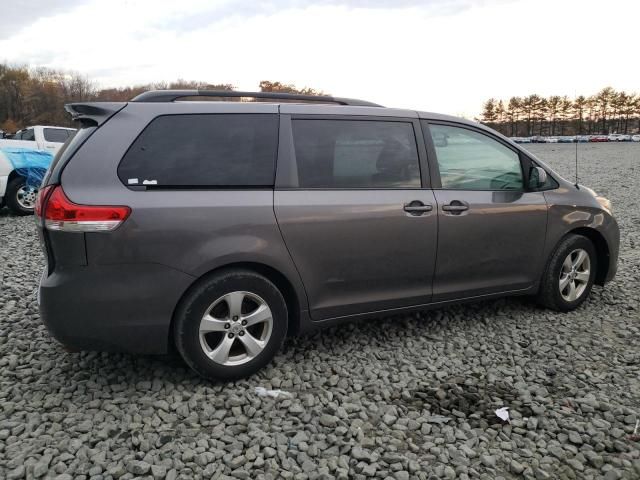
198 301
11 197
550 295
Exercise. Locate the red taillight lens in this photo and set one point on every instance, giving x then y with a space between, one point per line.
60 213
42 194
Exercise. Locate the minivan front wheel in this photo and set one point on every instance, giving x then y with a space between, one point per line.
231 325
570 274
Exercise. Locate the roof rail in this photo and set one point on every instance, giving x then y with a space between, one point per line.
172 95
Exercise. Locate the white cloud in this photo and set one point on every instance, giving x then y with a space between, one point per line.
416 56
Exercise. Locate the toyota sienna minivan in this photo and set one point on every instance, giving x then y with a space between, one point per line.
223 226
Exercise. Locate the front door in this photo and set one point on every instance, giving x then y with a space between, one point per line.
358 224
491 231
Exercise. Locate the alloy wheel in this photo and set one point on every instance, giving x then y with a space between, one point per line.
574 275
236 328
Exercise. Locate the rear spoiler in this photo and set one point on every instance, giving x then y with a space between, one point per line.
94 113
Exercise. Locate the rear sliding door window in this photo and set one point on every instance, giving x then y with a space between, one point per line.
204 150
356 154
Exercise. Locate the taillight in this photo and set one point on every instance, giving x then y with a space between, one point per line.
42 194
60 213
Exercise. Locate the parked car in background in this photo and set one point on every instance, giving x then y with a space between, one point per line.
521 139
619 137
17 190
21 172
635 138
552 140
39 137
598 138
567 139
582 138
224 226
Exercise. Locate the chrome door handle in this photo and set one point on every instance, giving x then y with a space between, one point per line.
455 207
417 207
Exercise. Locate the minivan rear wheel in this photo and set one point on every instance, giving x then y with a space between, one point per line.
570 274
231 325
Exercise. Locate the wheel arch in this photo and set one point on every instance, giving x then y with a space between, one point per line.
602 251
275 276
13 174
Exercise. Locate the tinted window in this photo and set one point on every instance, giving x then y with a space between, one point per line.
355 154
204 150
469 160
58 135
28 134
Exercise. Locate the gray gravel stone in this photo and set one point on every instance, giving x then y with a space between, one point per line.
16 473
138 467
330 421
488 460
516 467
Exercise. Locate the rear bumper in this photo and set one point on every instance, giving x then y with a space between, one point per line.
126 308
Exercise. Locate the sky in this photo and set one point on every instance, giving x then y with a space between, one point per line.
445 56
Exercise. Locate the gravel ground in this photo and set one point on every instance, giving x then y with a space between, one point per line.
403 397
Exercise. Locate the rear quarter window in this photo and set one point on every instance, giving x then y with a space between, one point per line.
204 150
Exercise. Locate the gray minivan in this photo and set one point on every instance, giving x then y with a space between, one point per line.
222 226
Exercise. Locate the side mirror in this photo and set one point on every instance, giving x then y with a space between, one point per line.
537 177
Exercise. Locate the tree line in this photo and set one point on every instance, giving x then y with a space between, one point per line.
608 111
37 96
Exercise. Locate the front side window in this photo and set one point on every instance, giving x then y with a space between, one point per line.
204 150
57 135
353 154
468 160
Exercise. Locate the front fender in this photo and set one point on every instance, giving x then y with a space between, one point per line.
6 167
573 210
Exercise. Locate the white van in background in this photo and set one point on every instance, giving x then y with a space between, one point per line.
15 192
39 137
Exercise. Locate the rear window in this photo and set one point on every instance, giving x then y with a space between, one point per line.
58 135
28 134
204 150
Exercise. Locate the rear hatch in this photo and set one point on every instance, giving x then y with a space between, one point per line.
55 215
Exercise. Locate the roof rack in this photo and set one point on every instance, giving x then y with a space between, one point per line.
173 95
